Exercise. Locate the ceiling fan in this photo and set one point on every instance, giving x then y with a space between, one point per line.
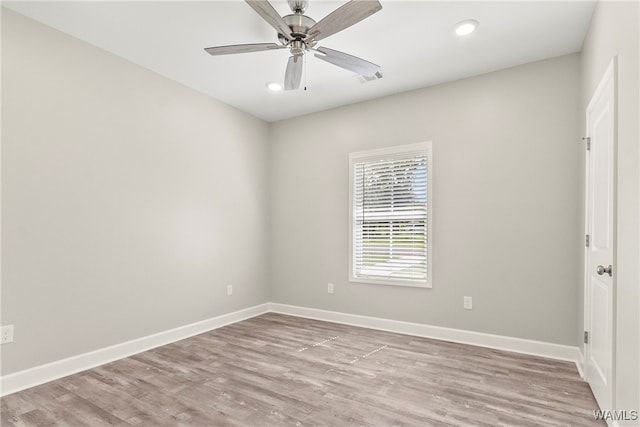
299 33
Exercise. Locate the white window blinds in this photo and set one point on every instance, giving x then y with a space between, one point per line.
390 215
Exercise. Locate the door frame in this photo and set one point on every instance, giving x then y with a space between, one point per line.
611 72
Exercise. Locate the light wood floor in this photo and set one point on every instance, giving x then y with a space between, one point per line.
280 370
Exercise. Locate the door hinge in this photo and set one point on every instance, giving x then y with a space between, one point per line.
588 139
587 241
586 337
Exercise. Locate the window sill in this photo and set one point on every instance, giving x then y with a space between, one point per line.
390 282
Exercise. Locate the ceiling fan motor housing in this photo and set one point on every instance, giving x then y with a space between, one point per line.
299 25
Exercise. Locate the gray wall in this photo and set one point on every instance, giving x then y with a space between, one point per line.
129 201
614 30
506 203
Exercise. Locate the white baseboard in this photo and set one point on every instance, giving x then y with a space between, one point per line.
51 371
518 345
44 373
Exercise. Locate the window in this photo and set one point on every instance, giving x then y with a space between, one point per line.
390 197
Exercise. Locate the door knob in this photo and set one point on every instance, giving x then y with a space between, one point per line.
601 270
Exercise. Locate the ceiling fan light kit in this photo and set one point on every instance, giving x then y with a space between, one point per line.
300 34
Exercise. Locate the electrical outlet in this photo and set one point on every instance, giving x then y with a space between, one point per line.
7 334
468 303
229 289
330 288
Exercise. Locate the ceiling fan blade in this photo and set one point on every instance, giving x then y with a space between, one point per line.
293 75
269 14
242 48
349 62
343 17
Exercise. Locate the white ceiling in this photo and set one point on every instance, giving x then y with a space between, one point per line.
413 41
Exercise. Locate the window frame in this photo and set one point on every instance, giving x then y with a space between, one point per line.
427 148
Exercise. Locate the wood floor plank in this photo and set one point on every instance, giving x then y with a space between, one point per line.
275 370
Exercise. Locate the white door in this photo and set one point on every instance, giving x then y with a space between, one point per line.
600 269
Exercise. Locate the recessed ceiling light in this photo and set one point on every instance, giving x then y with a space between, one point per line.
273 86
467 27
